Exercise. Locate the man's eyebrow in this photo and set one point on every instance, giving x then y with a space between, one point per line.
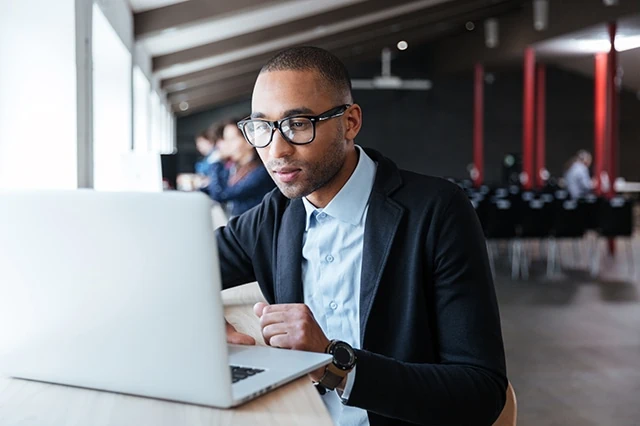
287 113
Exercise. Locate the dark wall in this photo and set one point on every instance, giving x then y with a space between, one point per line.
187 128
431 132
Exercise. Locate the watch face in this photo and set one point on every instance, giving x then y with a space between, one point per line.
342 356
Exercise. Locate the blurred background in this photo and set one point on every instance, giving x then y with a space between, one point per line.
531 106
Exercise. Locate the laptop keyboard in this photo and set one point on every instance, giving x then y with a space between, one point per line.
241 373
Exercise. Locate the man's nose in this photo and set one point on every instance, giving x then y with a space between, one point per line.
279 147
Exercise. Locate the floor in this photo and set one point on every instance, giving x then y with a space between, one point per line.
573 341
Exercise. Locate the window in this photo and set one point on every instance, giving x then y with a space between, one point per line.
112 109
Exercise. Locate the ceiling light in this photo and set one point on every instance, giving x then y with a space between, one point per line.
183 106
610 2
627 42
470 26
622 44
402 45
540 14
491 33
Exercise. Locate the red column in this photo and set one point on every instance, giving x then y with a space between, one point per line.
478 125
600 119
612 116
528 118
541 124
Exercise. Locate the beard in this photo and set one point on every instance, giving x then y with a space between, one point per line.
315 174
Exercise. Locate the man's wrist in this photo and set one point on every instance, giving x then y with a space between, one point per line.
342 384
344 360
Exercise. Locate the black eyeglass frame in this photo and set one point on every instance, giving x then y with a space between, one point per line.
332 113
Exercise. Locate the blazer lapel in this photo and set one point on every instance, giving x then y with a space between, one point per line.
383 219
289 255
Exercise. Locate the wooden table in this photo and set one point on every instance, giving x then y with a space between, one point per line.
38 404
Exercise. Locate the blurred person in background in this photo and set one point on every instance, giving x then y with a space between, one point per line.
206 145
577 178
242 181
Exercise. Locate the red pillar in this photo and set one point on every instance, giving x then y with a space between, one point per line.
600 119
541 124
612 116
528 118
478 125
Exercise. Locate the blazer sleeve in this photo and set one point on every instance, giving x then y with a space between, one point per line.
236 244
468 384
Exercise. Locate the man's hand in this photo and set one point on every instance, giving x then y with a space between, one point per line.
237 338
292 326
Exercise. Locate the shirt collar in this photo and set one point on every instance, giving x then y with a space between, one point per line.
351 201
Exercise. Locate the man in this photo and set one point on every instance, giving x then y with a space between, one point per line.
384 268
577 178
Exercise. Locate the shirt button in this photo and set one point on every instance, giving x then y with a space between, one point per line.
334 305
329 258
322 215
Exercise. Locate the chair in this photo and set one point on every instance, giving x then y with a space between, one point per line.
570 222
500 224
615 221
536 220
509 414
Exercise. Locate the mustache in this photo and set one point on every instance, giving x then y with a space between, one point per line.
275 164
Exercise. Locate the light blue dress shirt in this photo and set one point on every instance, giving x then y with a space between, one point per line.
331 267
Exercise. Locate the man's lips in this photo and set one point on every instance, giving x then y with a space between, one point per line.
287 174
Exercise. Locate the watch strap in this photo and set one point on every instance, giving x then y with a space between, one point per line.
332 377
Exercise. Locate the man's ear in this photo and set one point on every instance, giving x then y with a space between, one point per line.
353 118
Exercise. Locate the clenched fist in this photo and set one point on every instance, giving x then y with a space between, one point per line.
291 326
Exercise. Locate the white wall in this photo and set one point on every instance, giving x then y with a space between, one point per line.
38 122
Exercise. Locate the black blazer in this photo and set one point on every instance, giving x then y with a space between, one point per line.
431 345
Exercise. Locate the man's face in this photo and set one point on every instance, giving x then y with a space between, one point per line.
299 170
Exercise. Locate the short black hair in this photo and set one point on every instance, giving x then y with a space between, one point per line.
305 58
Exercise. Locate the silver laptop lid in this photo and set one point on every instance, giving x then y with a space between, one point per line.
113 291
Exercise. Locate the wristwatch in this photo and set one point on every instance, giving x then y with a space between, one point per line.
344 359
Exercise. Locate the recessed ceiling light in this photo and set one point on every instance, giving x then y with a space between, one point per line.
470 26
183 106
402 45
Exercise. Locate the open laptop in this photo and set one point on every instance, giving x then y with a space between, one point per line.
121 292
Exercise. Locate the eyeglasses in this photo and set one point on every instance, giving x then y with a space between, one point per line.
297 130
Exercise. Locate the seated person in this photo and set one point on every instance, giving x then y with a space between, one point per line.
206 145
242 181
385 269
576 177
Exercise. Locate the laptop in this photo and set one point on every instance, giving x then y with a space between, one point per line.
121 292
